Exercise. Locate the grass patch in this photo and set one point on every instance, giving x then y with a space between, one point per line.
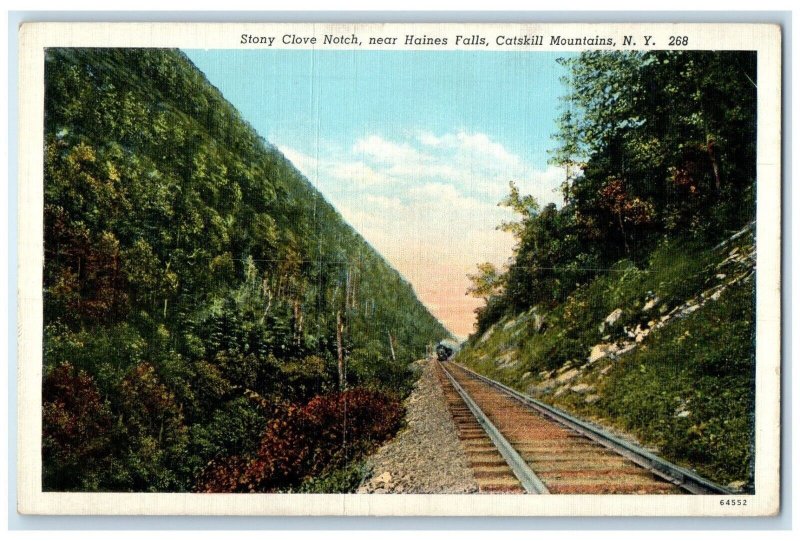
345 480
691 391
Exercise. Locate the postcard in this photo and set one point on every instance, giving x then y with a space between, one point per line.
399 269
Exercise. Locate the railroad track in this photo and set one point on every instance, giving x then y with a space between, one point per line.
516 444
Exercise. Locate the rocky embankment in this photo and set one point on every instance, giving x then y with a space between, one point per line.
426 457
662 354
737 267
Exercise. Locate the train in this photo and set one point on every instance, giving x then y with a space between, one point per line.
446 349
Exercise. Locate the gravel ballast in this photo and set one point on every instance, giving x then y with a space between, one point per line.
426 457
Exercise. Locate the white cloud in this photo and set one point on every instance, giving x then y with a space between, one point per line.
480 144
384 151
435 192
544 185
429 139
344 172
358 172
476 144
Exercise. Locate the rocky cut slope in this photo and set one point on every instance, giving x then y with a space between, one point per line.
662 354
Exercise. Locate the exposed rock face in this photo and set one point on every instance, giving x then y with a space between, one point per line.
640 333
649 305
575 377
543 387
581 388
600 351
508 359
568 376
625 349
611 319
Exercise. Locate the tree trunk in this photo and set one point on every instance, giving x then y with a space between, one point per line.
347 289
268 304
339 348
391 345
624 236
353 290
298 321
712 155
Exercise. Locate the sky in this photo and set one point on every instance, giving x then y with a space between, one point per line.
414 149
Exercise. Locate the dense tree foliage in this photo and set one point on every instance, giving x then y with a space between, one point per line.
653 144
633 302
193 280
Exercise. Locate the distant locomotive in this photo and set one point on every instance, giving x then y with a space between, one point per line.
446 349
443 352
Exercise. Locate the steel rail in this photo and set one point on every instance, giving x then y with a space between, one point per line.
529 480
686 479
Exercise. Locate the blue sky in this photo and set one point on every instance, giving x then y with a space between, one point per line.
414 149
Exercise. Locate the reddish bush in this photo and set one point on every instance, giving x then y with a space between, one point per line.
83 273
626 208
301 442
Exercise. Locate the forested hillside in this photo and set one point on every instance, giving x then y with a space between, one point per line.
209 317
633 302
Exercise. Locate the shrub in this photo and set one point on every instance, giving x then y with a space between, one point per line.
233 429
301 442
339 481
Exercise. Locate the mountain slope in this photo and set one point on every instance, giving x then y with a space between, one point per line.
194 280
